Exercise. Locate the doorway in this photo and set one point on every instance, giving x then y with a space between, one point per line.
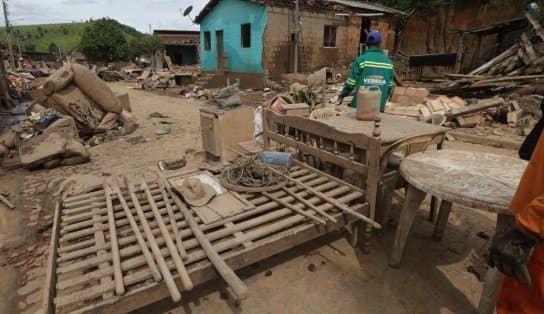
219 49
365 29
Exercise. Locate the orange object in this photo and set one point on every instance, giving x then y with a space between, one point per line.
528 208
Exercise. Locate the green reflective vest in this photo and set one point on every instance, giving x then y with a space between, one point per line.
373 68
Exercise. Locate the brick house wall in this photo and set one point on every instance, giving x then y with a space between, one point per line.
278 45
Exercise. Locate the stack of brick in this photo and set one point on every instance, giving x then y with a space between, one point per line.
417 102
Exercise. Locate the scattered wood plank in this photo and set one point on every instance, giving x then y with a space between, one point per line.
536 25
482 105
503 56
529 49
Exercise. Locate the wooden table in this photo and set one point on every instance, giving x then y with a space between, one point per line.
477 180
393 128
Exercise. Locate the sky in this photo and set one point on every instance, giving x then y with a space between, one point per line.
161 14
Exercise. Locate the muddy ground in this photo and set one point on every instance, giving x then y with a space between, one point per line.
324 276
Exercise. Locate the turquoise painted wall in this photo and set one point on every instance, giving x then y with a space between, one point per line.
228 16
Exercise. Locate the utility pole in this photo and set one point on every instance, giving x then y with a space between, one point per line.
150 32
8 35
297 32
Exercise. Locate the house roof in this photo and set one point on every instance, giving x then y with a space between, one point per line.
368 6
178 37
316 5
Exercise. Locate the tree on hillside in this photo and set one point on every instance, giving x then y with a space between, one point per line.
145 45
102 41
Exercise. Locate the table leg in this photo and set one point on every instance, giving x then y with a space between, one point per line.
494 278
434 204
443 215
414 198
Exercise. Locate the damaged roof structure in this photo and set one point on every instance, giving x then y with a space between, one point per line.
255 40
181 46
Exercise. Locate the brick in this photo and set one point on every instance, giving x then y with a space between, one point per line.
399 91
461 102
417 92
424 111
469 121
435 105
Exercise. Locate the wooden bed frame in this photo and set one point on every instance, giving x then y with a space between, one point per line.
80 271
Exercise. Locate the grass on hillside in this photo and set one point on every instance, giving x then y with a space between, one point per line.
40 38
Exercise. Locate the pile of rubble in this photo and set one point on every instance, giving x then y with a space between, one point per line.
72 104
523 63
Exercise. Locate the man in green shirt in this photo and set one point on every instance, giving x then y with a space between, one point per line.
373 68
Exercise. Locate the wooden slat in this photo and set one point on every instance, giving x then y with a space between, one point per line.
51 278
127 251
321 154
132 278
84 268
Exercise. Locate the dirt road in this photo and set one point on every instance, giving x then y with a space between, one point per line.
322 277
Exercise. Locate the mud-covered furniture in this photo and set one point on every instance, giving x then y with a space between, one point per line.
80 273
363 147
476 180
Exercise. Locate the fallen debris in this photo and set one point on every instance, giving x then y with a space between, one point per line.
519 65
59 144
171 165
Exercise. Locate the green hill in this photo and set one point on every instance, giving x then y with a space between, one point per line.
46 37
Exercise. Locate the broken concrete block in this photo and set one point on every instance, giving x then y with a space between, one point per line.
59 140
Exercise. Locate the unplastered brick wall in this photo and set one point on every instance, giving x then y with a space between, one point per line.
386 25
278 55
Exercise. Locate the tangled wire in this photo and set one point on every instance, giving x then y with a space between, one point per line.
253 173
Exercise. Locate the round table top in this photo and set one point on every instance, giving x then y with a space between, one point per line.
472 179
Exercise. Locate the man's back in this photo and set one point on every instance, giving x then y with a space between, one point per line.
373 68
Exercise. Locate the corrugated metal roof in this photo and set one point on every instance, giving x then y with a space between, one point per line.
368 6
363 5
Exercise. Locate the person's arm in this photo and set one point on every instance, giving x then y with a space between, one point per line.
352 80
531 218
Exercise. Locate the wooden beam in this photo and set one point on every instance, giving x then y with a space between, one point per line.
536 25
503 56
